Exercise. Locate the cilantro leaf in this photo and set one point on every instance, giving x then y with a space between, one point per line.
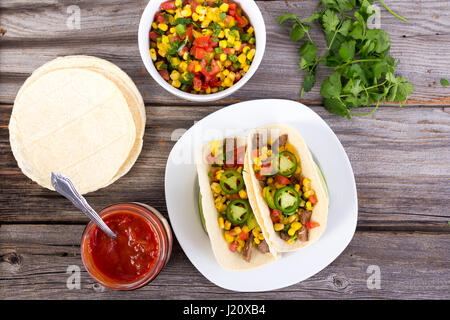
331 86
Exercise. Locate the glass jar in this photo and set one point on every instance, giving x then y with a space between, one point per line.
162 233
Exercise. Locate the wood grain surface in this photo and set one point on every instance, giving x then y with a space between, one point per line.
400 157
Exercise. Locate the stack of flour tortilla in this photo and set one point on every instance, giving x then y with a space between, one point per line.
80 116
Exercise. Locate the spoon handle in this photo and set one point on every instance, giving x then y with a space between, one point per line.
65 187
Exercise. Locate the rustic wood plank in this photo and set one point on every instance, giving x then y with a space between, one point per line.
34 260
35 34
399 157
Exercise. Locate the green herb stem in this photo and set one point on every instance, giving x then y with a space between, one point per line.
392 12
365 114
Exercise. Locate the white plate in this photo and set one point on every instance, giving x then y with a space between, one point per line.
181 189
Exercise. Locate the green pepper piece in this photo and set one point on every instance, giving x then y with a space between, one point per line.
286 200
287 163
269 194
238 211
180 29
231 181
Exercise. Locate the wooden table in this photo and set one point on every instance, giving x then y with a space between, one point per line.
400 157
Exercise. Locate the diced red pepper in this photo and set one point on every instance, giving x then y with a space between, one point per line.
313 199
233 233
234 196
233 246
160 18
258 175
168 5
275 215
312 224
282 180
243 235
153 35
197 83
165 74
202 42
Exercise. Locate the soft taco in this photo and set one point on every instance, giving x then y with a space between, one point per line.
236 237
290 200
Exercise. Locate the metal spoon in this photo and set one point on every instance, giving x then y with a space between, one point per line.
65 187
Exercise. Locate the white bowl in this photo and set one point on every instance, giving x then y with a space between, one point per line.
256 20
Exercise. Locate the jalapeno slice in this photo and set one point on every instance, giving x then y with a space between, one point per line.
238 211
231 181
269 194
287 163
287 199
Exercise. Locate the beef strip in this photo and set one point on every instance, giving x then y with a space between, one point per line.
284 236
263 247
282 140
247 251
303 233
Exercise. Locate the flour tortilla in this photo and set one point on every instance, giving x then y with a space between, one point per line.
73 121
227 259
309 170
120 79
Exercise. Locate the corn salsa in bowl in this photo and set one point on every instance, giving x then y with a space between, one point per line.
201 47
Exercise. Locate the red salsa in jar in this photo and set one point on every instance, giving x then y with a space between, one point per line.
136 256
129 256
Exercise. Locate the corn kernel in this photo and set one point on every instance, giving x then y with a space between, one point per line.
237 230
292 218
269 180
159 64
224 7
163 27
165 39
237 45
309 206
162 52
297 187
290 241
200 10
223 208
245 68
291 232
195 16
255 232
260 236
219 174
242 58
223 44
221 223
243 194
227 225
186 12
153 54
246 49
231 39
175 75
278 226
228 238
223 57
182 66
215 187
251 54
250 30
198 68
172 30
296 225
175 61
208 90
245 229
257 241
221 34
178 3
154 25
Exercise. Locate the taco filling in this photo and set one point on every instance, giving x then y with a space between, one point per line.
235 216
286 191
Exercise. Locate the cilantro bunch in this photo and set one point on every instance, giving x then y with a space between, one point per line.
362 69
